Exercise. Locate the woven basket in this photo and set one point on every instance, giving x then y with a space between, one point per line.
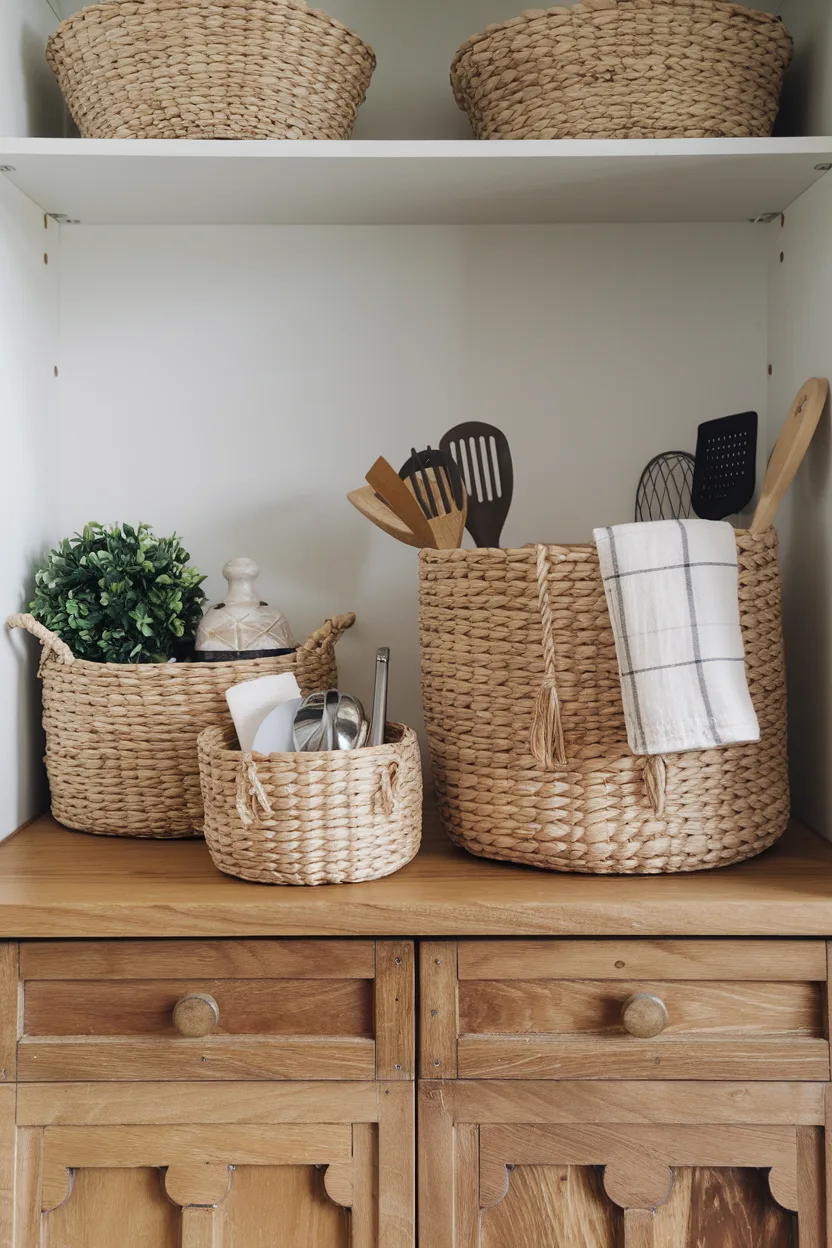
121 737
526 725
625 69
333 817
210 69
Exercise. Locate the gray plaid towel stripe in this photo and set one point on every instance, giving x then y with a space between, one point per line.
672 595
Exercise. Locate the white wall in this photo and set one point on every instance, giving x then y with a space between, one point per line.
800 346
235 383
28 308
30 102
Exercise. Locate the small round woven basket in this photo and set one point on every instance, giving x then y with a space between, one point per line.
210 69
333 817
625 69
121 737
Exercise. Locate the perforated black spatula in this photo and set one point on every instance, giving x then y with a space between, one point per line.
726 466
483 457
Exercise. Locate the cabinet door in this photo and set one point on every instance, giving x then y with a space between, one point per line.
236 1165
622 1165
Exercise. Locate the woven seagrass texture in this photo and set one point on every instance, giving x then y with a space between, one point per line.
625 69
210 69
334 817
121 738
603 811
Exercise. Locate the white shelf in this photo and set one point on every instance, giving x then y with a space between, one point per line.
150 182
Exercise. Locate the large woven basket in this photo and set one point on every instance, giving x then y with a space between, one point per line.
210 69
335 817
625 69
121 738
526 727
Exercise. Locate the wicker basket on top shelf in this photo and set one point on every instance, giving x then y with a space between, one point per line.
625 69
210 69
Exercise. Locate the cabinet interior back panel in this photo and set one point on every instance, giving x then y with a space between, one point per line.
235 383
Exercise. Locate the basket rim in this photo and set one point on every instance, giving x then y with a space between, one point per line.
582 9
216 740
429 555
112 8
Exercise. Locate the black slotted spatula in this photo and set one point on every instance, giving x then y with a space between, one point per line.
483 457
725 475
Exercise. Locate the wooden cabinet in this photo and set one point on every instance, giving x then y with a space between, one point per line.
552 1112
291 1121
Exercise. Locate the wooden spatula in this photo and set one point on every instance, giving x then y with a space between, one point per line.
791 447
389 486
378 513
482 455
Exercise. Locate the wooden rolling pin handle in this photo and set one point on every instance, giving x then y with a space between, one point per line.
644 1015
196 1015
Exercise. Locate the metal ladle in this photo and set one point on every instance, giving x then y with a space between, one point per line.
330 720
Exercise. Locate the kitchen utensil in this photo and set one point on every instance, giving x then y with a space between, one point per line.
665 487
275 734
392 490
252 700
350 725
790 449
437 485
725 475
483 457
378 513
379 720
243 622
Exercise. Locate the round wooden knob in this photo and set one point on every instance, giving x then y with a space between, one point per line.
196 1015
644 1015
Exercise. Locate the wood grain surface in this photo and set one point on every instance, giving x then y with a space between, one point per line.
287 1007
56 883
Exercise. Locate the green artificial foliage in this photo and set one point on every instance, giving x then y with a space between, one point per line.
120 595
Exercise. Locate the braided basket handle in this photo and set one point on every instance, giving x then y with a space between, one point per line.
325 638
546 740
51 642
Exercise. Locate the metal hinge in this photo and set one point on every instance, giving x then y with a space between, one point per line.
765 218
60 218
7 169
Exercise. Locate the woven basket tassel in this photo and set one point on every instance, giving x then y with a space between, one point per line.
386 799
250 793
655 782
546 740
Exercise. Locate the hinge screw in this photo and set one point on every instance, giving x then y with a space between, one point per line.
823 168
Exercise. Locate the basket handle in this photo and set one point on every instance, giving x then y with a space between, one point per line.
388 783
51 642
251 796
326 637
546 740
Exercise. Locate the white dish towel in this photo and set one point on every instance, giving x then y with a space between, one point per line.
672 593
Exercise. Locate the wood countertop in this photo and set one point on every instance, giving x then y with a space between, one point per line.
57 883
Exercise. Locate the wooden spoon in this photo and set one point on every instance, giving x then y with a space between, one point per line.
378 513
392 490
790 450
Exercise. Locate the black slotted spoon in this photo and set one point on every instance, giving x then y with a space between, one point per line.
483 457
726 466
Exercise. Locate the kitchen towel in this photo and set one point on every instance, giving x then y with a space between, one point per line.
672 593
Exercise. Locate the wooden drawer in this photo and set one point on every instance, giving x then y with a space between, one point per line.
549 1009
253 1009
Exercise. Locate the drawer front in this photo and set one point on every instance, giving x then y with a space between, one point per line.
186 1010
625 1009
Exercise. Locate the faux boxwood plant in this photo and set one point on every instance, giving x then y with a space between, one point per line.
120 595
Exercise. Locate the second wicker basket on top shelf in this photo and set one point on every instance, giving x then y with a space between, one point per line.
625 69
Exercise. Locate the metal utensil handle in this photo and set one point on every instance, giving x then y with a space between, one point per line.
380 696
330 715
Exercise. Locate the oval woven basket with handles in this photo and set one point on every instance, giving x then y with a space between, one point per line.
121 738
332 817
625 69
210 69
526 729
